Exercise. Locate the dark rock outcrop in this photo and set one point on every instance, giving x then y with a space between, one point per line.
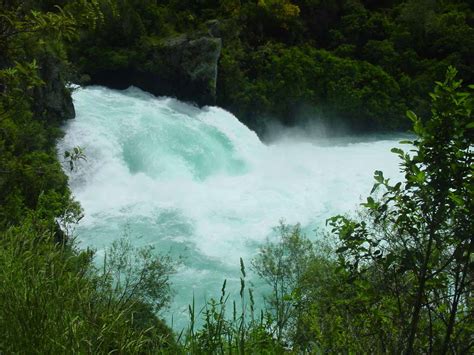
186 68
182 67
52 100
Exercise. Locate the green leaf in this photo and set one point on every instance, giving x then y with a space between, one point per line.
378 176
412 116
420 176
456 199
342 249
397 151
375 187
370 203
418 128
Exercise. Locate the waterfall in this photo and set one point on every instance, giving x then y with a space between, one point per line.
199 184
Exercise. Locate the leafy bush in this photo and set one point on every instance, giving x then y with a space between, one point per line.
410 257
54 299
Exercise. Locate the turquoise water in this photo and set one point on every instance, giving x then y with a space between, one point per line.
199 184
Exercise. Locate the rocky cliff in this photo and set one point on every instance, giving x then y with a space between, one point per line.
183 67
52 100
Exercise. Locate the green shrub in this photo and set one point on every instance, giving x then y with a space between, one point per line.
53 299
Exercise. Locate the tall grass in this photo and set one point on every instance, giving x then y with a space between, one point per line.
53 301
230 327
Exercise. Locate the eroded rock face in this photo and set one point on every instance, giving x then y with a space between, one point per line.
52 100
183 67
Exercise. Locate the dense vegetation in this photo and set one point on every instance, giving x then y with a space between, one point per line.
355 63
53 299
398 279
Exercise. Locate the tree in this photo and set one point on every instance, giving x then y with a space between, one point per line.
281 265
420 232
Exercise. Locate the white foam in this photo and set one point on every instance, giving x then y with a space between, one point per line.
201 183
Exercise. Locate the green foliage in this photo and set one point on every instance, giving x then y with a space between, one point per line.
137 275
30 176
54 300
400 279
281 59
418 235
285 80
282 265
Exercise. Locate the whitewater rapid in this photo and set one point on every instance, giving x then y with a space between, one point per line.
199 184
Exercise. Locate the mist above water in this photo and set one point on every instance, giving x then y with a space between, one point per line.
199 184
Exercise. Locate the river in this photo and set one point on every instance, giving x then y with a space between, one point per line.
198 184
